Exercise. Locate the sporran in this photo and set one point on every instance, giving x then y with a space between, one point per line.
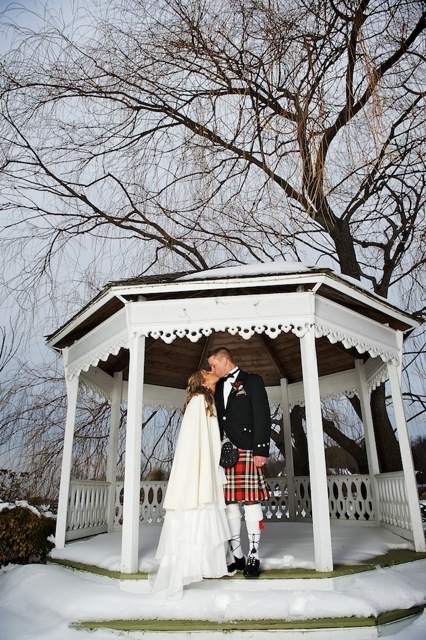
228 454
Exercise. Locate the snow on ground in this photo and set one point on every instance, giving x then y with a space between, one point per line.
39 602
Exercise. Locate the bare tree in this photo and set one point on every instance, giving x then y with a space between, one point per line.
32 430
9 346
221 133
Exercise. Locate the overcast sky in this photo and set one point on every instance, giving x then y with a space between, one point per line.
80 273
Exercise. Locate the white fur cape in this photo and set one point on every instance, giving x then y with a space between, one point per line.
196 477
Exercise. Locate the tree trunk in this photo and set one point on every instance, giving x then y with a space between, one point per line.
300 448
344 243
387 444
357 452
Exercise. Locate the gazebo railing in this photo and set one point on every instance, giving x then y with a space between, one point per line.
392 498
350 500
87 508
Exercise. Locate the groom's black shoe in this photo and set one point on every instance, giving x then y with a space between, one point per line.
252 568
239 564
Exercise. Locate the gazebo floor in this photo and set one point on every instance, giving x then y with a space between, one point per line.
287 551
391 558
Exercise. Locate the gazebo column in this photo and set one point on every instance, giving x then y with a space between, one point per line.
288 445
130 531
316 453
111 471
407 458
370 438
64 488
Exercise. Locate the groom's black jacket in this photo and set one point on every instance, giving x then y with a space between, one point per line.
246 419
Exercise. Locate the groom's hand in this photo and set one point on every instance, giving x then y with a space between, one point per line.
259 461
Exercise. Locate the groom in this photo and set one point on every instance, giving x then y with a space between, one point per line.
244 415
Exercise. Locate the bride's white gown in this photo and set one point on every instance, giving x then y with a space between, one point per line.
195 532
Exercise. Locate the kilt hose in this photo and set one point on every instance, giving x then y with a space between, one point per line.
245 482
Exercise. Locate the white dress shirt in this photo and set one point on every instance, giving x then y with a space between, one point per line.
227 384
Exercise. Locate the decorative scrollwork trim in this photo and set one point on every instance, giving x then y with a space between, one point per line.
93 358
245 330
350 341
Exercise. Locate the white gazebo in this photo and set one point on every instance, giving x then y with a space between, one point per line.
312 334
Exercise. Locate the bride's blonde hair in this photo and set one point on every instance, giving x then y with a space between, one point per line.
195 387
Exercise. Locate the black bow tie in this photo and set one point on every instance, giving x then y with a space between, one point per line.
230 375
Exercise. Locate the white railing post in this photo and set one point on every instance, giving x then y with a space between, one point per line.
130 535
370 438
407 459
111 471
72 393
317 466
288 445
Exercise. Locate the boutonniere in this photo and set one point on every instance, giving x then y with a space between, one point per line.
238 388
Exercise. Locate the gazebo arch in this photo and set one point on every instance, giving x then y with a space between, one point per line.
310 333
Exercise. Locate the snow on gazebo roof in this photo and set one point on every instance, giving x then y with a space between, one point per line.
244 270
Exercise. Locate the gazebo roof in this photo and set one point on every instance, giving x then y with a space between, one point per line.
169 363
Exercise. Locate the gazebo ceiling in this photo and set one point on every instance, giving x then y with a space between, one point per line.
273 358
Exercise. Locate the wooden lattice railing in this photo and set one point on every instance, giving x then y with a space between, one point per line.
350 500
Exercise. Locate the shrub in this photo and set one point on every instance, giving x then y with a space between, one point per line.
24 534
13 485
156 474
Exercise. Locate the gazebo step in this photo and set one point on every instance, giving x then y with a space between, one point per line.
218 592
353 628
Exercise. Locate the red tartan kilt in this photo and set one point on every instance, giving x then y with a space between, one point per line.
245 481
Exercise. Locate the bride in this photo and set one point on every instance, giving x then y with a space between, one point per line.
195 533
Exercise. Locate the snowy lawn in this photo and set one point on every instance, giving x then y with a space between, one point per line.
41 601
